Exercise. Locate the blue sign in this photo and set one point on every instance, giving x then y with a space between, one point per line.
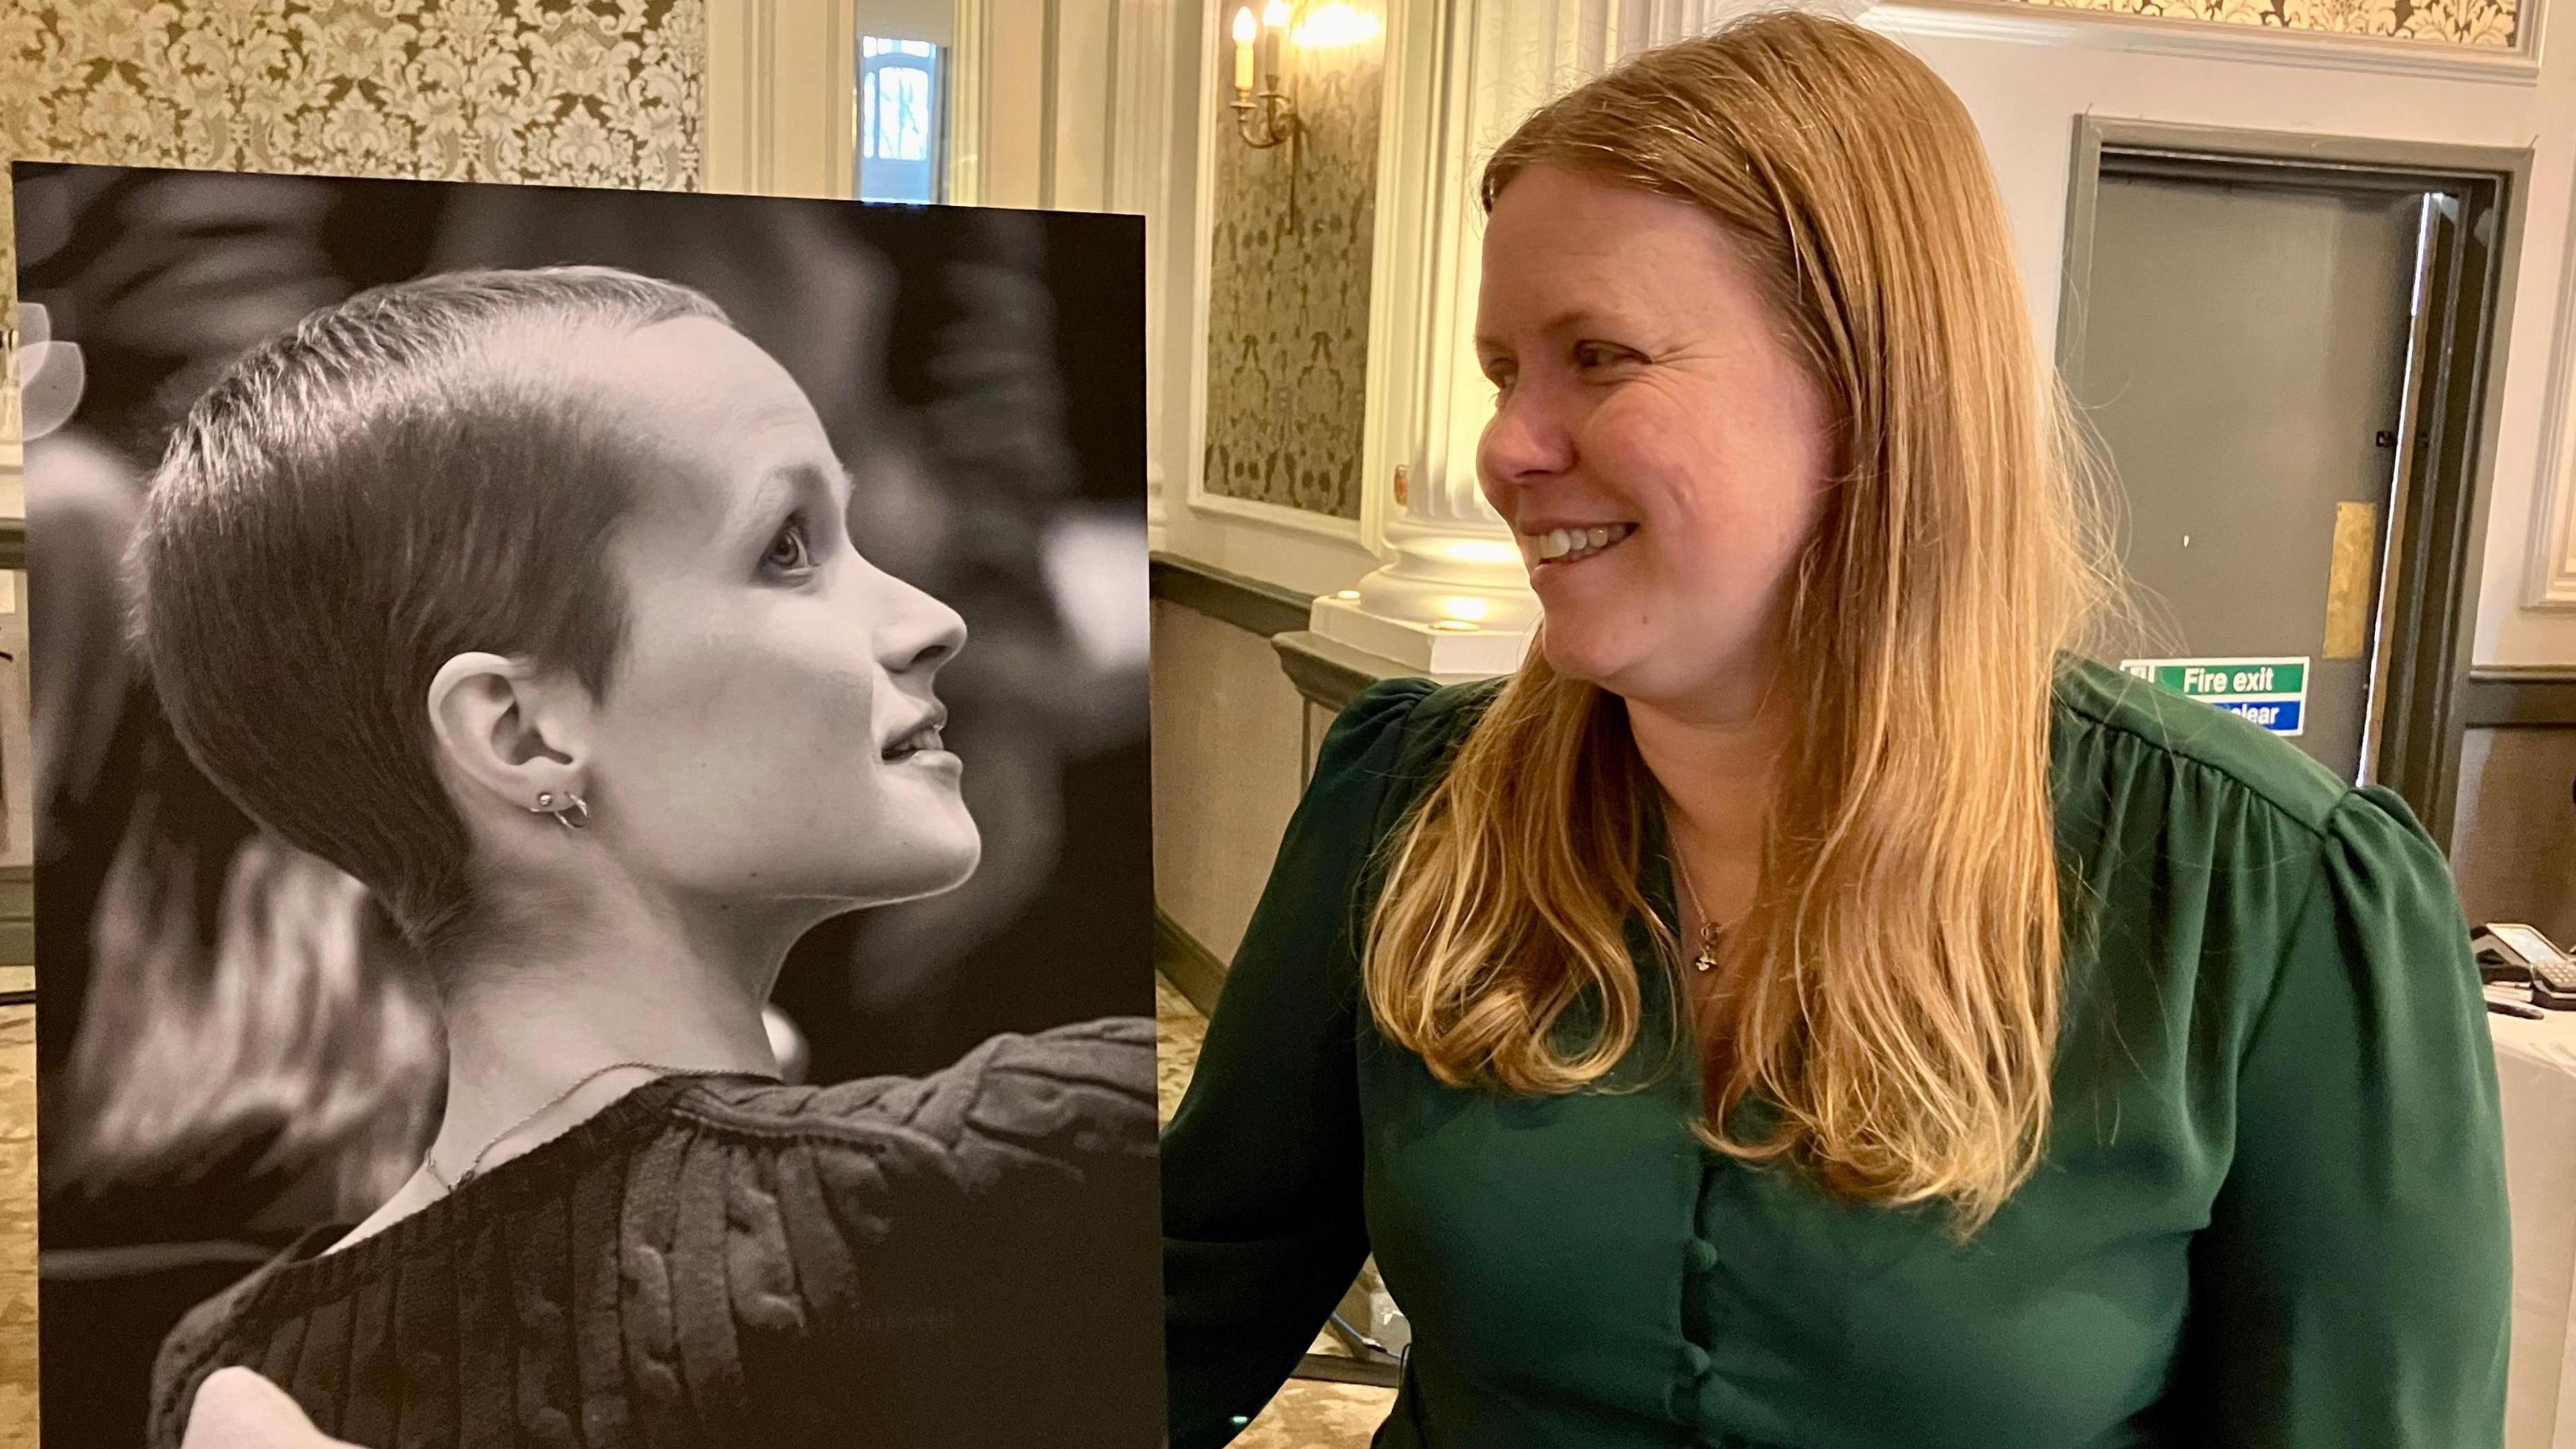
2280 716
2271 692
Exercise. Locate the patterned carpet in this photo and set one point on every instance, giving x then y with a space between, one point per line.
1306 1414
17 1220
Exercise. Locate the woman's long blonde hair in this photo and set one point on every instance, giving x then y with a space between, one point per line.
1893 996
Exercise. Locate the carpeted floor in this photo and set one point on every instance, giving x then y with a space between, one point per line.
17 1221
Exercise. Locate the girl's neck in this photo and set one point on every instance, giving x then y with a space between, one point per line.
518 1036
525 1025
528 1012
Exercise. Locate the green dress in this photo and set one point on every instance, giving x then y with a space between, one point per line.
2272 1210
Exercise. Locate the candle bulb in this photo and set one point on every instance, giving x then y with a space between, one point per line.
1274 37
1245 30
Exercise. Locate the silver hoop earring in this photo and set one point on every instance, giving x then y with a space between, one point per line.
573 814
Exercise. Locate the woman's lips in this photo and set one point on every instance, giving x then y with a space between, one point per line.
1559 547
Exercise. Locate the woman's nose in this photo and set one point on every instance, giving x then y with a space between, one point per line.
1524 442
919 633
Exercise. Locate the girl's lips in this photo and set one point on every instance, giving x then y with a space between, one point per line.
920 738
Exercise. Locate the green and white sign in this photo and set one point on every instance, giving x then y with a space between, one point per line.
2270 692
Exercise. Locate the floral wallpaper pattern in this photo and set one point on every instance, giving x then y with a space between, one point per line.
2446 22
580 92
603 92
1288 289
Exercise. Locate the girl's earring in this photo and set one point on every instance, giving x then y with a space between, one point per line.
572 813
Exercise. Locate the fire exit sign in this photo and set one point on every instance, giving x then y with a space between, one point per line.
2272 692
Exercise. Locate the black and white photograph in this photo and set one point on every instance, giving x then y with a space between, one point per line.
590 816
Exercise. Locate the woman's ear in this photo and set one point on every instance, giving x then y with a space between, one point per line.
503 728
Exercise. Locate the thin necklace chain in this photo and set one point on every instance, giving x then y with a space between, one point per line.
1706 960
473 1169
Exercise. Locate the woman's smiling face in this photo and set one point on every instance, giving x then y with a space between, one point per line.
769 732
1656 445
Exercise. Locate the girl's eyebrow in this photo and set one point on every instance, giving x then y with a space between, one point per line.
780 489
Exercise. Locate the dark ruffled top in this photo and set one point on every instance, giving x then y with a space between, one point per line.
958 1259
2272 1214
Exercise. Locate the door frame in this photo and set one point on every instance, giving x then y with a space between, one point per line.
2437 524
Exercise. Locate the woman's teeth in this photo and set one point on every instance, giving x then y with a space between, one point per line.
1572 545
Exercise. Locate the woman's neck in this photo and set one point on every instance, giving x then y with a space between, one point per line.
1718 767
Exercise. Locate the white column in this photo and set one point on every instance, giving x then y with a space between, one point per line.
1452 596
1153 160
781 98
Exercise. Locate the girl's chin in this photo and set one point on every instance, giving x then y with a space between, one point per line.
939 854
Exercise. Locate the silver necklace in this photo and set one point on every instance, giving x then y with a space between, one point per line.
473 1169
1706 960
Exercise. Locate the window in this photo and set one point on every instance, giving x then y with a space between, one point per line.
899 120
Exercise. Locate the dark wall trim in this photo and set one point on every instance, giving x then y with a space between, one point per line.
1248 604
1327 673
2528 697
1378 1372
1192 968
17 915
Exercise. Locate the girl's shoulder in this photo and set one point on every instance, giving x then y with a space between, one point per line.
1077 1091
704 1223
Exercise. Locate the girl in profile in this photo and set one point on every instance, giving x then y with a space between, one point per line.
527 599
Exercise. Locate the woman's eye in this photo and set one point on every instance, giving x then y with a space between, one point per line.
790 552
1589 355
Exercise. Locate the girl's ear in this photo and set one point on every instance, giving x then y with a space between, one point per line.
508 732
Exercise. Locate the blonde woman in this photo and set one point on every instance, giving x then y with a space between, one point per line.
1808 1004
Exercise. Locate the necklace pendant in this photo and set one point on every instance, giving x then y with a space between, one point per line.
1705 961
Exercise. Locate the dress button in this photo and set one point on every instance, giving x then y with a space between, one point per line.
1702 1255
1682 1400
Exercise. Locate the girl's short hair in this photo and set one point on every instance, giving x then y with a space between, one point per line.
351 505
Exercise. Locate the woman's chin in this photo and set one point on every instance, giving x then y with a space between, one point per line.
1595 656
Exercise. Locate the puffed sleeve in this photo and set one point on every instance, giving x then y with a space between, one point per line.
2354 1283
1262 1228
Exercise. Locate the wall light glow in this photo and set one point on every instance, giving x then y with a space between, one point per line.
1336 24
1472 551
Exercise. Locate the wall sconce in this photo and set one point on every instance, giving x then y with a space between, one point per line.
1264 114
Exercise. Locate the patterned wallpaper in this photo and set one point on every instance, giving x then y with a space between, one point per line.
2445 22
583 92
1288 288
